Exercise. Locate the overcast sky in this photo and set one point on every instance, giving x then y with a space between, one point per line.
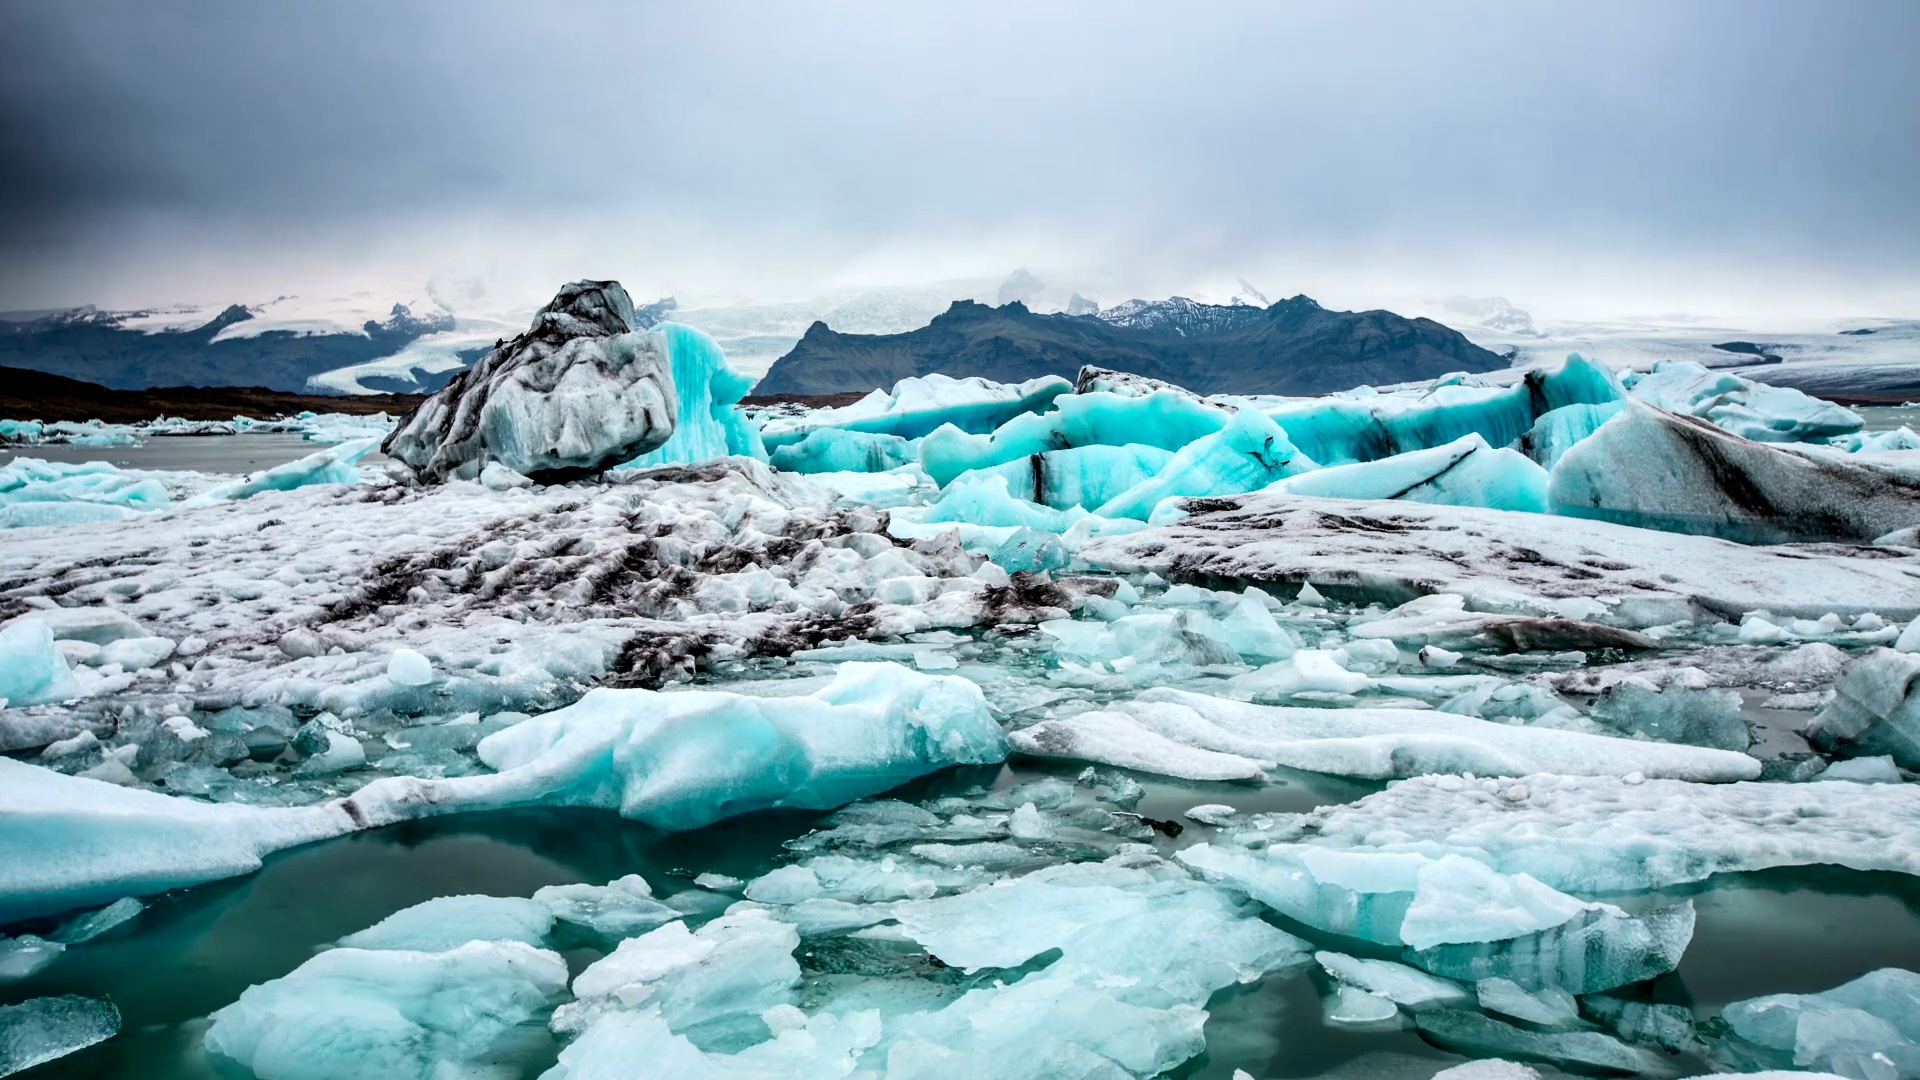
1735 157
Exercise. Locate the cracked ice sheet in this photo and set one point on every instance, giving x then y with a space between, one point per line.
1598 835
1242 741
1504 561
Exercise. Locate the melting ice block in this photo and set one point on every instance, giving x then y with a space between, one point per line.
1746 408
709 425
1243 739
685 759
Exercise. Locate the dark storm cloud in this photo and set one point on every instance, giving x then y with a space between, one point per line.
795 135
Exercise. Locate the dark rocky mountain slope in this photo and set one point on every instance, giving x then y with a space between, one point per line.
1293 347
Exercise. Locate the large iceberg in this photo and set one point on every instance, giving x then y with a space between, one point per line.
1660 470
1464 472
580 391
708 424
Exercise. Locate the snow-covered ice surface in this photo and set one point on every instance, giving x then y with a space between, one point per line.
1102 734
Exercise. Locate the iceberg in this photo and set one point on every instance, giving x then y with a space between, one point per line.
1660 470
1868 1027
1697 716
1464 472
830 449
1084 476
1749 409
71 842
682 760
582 390
334 465
1249 453
1165 419
1557 430
711 985
916 406
709 423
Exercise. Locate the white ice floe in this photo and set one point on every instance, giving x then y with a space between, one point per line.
1203 737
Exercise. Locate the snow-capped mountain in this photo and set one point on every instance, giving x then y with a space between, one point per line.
1182 316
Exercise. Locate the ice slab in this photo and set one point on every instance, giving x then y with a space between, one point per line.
1370 743
1248 453
70 841
681 760
1502 561
1600 835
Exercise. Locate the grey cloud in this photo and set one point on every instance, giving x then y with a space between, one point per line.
790 137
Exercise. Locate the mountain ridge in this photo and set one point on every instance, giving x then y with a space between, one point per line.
1294 346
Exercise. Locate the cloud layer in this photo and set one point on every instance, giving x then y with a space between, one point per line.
1729 156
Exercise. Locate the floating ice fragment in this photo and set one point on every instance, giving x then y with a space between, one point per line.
446 922
45 1029
31 667
408 668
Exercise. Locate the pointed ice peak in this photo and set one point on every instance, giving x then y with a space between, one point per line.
1249 296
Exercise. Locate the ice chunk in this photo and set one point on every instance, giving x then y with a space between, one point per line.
1584 1051
1166 419
1083 476
1249 453
1659 470
1371 743
31 667
1680 714
710 424
1032 551
1593 835
1746 408
94 923
334 465
1488 1069
682 760
1339 430
825 1047
1596 949
1866 770
1548 1007
26 955
830 449
1869 1027
580 391
390 1013
711 985
1558 430
408 668
447 922
1397 983
1465 472
46 1029
622 908
1875 710
1355 1006
133 654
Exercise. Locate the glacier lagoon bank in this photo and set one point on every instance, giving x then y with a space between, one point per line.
1206 767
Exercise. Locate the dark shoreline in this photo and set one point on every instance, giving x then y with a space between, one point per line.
35 395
